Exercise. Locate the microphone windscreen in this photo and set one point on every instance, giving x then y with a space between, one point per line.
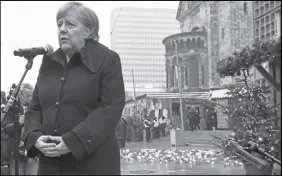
49 49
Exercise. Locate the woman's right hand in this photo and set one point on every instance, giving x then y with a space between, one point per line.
42 145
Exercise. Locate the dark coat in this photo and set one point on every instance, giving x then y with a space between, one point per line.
194 119
8 142
121 129
82 101
214 119
152 115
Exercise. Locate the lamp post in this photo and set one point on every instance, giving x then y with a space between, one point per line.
177 137
179 86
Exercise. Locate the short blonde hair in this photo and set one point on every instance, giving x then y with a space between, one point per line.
24 87
89 17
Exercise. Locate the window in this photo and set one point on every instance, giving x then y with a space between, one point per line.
266 19
271 4
272 16
257 32
262 22
268 36
256 4
202 74
267 28
256 12
199 43
266 7
245 7
188 4
261 10
272 25
257 24
262 30
272 33
181 45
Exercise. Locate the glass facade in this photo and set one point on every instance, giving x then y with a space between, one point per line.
264 19
137 37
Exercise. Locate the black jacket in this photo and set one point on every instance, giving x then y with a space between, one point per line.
152 115
82 101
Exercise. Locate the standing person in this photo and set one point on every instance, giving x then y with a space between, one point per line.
156 128
214 119
194 119
163 121
27 166
208 119
197 116
77 101
155 114
202 124
9 135
121 132
147 126
187 121
162 125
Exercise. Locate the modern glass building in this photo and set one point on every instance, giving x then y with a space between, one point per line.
266 14
137 35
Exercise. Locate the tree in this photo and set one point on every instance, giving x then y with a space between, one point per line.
251 117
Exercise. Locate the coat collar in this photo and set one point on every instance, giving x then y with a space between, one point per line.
92 55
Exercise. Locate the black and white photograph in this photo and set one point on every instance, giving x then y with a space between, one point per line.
141 88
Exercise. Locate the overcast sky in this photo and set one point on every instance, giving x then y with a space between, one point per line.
30 23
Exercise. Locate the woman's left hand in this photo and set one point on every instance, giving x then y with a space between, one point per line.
61 147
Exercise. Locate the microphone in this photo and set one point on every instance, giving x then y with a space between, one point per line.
239 151
255 147
32 52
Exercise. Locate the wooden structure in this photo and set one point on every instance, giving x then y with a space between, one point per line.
274 77
171 101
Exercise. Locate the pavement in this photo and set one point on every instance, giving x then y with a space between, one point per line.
164 143
139 168
142 168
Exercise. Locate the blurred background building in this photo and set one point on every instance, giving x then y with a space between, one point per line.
210 31
267 24
266 14
136 36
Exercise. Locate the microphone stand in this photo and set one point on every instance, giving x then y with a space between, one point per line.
272 158
7 109
264 153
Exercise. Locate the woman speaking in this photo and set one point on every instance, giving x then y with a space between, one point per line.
77 101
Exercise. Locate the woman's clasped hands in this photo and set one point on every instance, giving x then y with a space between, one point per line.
47 145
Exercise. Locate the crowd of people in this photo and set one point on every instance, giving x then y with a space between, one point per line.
195 122
27 166
155 122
